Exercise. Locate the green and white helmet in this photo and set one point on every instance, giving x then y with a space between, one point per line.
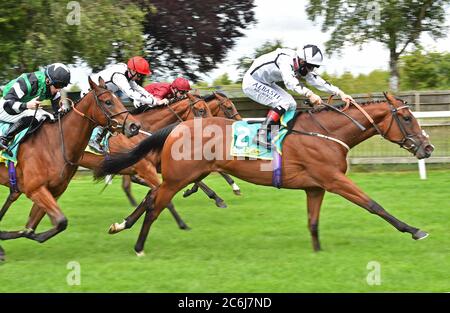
311 54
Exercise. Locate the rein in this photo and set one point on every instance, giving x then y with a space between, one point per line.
110 119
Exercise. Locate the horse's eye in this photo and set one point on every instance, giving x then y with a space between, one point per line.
407 118
108 102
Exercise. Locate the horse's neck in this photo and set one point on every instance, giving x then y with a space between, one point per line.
340 127
76 132
158 118
214 107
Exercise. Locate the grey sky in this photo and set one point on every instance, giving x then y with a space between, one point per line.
287 20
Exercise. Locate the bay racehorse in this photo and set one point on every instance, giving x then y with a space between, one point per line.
48 159
314 157
221 106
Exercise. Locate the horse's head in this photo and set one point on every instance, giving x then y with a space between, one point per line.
108 111
222 106
402 128
197 107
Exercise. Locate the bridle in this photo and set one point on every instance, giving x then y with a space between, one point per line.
228 111
413 146
197 112
111 122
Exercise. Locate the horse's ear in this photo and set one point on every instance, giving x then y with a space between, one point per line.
218 96
191 97
101 82
197 92
389 97
92 83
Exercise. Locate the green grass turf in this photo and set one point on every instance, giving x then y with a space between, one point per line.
260 243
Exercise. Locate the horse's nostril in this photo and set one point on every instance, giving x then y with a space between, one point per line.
429 148
134 127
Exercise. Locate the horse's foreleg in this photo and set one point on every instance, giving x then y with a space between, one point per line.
176 216
129 221
212 195
191 191
314 198
2 254
230 181
346 188
45 201
13 196
126 186
36 215
137 180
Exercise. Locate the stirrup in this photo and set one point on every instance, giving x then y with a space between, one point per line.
96 147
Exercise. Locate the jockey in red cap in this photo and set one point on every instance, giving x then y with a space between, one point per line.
178 88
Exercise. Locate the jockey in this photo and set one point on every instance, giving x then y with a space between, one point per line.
23 95
178 88
124 77
287 66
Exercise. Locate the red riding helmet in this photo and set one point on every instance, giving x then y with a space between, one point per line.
140 65
181 84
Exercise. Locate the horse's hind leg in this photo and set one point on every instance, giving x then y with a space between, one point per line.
314 198
12 197
346 188
126 186
2 254
154 203
230 181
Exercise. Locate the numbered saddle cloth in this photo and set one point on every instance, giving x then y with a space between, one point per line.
104 143
243 134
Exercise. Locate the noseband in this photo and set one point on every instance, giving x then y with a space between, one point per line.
413 146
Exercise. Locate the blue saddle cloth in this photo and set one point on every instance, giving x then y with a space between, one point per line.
14 146
104 143
243 133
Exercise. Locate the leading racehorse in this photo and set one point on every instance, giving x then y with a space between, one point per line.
314 157
48 159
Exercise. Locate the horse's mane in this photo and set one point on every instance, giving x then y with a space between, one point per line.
322 108
146 108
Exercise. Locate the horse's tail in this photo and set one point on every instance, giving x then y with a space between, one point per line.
116 162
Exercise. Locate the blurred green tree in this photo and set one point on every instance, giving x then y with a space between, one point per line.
36 33
422 70
395 23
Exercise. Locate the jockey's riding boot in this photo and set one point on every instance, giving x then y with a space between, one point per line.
96 142
272 118
13 130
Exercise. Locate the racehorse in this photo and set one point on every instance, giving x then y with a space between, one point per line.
312 161
221 106
47 160
151 119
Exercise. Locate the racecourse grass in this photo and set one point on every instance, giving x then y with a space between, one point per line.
260 243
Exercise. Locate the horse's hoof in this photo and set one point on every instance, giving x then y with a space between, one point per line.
420 234
187 193
115 228
140 253
237 192
184 227
221 204
2 254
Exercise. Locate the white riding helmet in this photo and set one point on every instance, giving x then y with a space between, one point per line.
311 54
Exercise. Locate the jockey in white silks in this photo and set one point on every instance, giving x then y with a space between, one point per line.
287 66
